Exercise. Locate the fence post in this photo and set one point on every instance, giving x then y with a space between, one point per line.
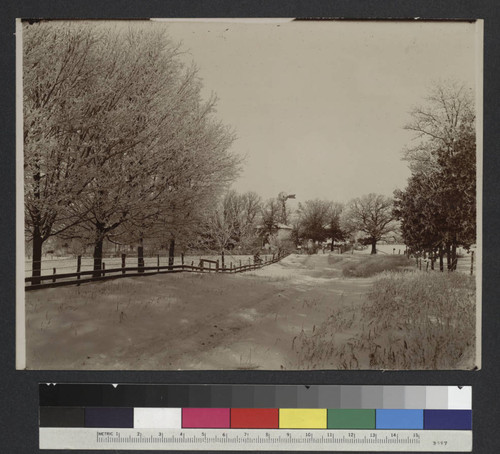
124 257
78 266
103 269
140 259
217 267
54 273
472 263
182 258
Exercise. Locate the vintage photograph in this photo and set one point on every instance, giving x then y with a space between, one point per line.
249 194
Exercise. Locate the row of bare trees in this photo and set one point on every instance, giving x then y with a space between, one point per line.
368 219
247 222
118 143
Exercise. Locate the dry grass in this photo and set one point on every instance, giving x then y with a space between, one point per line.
375 264
411 321
428 320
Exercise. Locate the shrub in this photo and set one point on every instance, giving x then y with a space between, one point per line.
313 249
374 264
333 259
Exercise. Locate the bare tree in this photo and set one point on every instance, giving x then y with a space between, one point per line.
252 207
233 222
333 223
371 214
446 116
222 226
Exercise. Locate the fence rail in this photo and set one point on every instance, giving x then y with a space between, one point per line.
57 280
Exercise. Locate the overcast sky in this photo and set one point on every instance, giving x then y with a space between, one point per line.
319 107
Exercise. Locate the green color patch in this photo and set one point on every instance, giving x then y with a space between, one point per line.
351 419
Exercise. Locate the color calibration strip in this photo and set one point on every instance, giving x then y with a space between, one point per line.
411 418
254 418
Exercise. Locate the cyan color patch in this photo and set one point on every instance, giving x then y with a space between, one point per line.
399 419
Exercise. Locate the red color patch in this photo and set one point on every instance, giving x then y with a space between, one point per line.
254 418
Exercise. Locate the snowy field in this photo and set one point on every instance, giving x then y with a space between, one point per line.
300 313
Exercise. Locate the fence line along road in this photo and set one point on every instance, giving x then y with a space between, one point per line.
60 279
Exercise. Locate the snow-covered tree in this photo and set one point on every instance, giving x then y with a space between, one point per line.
58 69
233 222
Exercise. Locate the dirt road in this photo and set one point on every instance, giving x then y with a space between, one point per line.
188 321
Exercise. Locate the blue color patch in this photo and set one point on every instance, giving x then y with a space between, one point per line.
399 419
448 419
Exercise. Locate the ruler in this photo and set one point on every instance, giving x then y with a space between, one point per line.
256 439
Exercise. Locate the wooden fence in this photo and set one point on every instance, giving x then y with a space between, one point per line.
463 264
81 277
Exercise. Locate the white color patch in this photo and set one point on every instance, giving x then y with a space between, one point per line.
460 398
157 418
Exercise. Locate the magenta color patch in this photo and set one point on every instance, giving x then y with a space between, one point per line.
206 418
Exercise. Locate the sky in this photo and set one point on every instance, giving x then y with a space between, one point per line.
319 107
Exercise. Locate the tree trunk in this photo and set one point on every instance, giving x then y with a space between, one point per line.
140 256
222 258
441 264
98 256
331 246
448 257
453 257
374 247
36 264
171 256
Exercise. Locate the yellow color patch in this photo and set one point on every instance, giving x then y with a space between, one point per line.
303 418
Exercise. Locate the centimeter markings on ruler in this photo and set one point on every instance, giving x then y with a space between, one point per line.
225 437
251 439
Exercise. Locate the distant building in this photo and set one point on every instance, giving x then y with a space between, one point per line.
283 232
